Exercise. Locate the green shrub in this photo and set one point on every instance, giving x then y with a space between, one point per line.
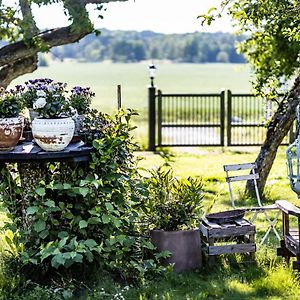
172 203
86 214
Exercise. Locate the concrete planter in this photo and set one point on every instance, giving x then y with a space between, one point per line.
185 246
53 134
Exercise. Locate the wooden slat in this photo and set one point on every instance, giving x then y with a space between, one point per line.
292 245
238 167
242 177
231 231
288 207
227 249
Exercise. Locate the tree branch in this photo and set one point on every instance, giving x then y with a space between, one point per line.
56 37
21 67
28 22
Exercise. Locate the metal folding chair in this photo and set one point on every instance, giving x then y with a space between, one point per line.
260 208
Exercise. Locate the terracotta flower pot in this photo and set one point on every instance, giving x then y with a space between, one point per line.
10 132
53 134
185 246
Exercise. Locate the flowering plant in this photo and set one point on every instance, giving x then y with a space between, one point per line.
11 102
81 98
47 97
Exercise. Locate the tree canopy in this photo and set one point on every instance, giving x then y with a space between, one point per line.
272 46
273 50
25 40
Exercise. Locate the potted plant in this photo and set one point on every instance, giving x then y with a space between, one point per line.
80 100
11 124
173 210
53 129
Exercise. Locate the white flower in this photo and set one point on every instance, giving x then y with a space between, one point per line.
51 88
40 93
39 103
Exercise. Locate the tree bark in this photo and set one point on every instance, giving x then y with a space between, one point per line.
20 57
278 128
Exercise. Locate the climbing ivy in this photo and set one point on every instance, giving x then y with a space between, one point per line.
86 213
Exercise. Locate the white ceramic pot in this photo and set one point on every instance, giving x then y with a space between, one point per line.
53 134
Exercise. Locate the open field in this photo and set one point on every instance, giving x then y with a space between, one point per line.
103 78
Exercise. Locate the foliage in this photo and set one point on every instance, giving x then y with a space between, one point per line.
132 46
11 102
81 99
272 45
87 214
173 204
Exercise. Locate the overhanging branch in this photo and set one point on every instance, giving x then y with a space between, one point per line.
56 37
21 67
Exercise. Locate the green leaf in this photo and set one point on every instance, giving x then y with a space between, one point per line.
109 207
31 210
44 234
83 224
84 191
62 242
58 260
41 191
63 234
50 203
90 243
67 186
94 220
40 225
105 219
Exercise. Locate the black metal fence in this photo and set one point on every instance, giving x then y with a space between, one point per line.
205 120
190 119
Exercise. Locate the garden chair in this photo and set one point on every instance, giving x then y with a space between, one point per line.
259 208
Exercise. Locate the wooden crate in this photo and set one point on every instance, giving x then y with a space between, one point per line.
235 237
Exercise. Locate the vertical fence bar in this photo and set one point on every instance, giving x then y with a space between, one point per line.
159 118
229 116
222 118
151 118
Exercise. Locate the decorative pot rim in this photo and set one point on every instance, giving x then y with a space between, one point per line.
12 120
180 230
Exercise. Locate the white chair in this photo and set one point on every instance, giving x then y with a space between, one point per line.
260 208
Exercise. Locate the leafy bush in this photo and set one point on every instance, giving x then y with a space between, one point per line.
172 203
87 214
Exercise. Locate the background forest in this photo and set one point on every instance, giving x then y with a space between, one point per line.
134 46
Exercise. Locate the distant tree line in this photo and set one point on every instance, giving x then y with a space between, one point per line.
133 46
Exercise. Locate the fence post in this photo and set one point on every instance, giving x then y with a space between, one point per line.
229 115
222 128
151 118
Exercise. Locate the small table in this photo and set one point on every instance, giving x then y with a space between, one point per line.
30 152
236 237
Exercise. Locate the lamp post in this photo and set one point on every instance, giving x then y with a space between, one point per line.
293 158
151 108
152 73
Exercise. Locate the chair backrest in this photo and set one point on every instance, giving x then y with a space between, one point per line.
229 169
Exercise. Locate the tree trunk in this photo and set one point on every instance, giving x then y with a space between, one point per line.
278 128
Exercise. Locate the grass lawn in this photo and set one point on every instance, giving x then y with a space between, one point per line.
268 278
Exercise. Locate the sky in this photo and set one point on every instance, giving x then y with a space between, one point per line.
165 16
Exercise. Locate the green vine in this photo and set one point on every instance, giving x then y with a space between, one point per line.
86 214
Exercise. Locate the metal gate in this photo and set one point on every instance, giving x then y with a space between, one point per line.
190 119
205 120
247 117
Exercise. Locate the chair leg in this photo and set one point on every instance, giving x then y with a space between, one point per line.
271 226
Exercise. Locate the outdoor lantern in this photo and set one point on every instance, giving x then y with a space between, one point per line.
293 158
152 73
